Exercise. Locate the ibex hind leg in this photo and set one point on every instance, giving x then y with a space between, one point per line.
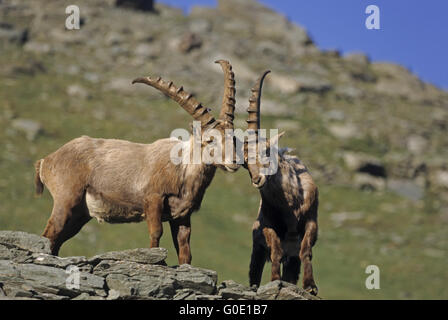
66 220
291 269
153 212
291 261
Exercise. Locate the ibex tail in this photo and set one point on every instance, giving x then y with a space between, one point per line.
39 186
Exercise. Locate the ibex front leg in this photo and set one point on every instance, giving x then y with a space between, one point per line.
180 231
258 257
274 244
306 255
153 211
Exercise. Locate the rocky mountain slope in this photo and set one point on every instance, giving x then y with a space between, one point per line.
373 135
29 271
397 120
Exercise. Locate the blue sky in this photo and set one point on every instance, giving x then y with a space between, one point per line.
413 33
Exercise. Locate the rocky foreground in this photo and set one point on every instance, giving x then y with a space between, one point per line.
29 271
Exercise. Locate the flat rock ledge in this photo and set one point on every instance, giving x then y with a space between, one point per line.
29 271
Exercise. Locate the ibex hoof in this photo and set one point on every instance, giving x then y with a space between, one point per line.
312 290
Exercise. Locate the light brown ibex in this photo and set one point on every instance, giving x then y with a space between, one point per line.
119 181
286 226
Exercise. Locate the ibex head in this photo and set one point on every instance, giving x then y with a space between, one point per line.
252 161
209 125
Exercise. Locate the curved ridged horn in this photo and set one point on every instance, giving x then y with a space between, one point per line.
228 99
183 98
253 121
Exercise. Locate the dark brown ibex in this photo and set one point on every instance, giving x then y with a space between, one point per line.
119 181
286 227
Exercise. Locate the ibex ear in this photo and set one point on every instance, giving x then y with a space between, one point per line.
275 139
